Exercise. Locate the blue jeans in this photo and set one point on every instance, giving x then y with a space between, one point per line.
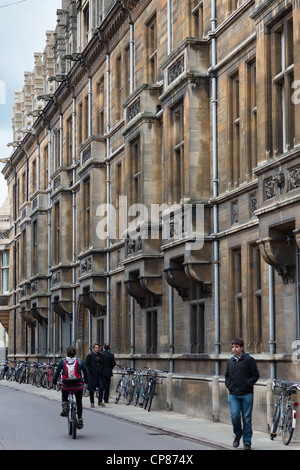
241 407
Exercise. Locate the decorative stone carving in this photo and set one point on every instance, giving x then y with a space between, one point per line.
134 109
175 70
269 188
294 178
235 212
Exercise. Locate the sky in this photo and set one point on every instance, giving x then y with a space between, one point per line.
23 26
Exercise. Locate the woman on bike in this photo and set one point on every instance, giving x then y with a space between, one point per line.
72 381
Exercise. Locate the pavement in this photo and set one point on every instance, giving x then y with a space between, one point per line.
197 429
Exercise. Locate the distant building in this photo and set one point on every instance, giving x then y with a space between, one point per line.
157 105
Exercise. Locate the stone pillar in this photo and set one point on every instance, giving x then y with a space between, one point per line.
169 391
215 398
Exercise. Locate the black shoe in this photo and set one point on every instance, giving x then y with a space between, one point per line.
236 441
247 447
80 423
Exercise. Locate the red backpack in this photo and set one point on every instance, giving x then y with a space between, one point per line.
70 371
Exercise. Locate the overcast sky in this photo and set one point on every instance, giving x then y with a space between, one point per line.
23 26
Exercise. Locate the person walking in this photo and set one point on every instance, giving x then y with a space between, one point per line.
94 365
240 376
108 363
71 368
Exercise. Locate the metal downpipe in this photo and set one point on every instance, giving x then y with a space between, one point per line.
74 223
272 321
108 198
215 182
49 241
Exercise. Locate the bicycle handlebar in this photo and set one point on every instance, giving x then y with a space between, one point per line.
286 386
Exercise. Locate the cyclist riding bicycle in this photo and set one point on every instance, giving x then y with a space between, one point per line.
72 381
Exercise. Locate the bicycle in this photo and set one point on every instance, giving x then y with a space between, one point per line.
34 373
72 415
285 413
10 373
39 375
121 387
23 373
153 379
139 388
129 389
17 371
47 376
4 370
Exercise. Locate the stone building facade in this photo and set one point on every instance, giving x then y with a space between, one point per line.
154 189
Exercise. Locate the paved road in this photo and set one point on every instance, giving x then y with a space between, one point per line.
30 422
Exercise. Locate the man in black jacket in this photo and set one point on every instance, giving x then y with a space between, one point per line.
94 364
108 363
240 376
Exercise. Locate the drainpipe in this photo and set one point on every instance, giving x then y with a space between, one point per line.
90 107
132 331
38 183
169 26
171 326
49 239
215 182
171 292
61 140
272 320
54 149
131 57
132 311
73 222
108 197
297 294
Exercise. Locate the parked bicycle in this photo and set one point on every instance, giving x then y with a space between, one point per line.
4 370
150 393
34 374
125 386
285 413
139 388
22 375
47 376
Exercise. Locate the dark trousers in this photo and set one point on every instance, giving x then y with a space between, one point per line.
106 383
100 387
78 396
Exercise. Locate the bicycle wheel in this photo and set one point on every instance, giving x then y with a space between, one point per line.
287 430
38 379
136 393
33 377
129 392
118 391
74 422
275 421
151 395
50 381
44 379
146 398
70 422
21 377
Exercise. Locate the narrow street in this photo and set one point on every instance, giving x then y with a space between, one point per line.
31 422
